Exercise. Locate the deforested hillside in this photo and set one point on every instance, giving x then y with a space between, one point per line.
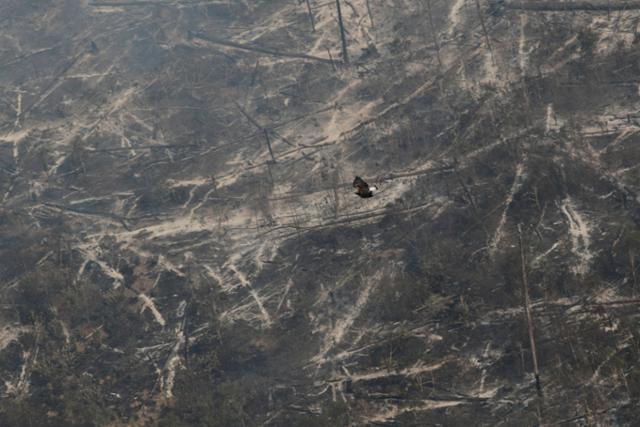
181 245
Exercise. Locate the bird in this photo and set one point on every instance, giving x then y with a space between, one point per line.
362 188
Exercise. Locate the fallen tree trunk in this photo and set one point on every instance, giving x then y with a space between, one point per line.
527 310
569 5
129 3
259 49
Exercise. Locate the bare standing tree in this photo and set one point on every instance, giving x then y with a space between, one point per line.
343 37
313 24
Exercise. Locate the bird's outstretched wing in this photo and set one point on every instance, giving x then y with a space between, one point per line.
360 185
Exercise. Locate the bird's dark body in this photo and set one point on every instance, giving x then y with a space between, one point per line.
362 188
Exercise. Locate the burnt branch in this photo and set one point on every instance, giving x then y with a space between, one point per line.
259 49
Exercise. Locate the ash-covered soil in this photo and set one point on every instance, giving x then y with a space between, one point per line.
181 245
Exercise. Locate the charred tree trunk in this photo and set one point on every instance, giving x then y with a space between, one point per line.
266 136
313 23
484 31
434 35
370 14
554 5
259 49
333 64
343 37
527 310
264 130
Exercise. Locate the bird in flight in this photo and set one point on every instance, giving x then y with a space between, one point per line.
362 188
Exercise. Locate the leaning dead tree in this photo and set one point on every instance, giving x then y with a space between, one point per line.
343 37
255 48
313 23
527 310
556 5
264 130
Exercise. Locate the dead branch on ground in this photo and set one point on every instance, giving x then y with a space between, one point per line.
259 49
527 309
554 5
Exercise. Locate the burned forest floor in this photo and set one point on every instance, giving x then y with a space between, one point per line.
181 245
